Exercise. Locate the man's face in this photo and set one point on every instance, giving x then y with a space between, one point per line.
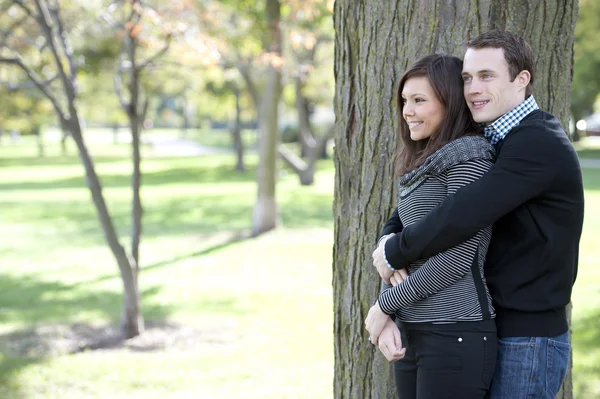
488 89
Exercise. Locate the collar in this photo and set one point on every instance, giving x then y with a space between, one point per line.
501 126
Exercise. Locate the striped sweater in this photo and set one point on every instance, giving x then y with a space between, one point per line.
449 286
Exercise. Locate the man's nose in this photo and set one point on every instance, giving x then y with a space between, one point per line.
474 87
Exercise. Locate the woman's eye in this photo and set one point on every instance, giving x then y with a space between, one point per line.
419 100
466 79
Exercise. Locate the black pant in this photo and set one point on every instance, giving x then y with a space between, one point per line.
446 364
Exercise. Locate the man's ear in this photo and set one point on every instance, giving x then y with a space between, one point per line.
523 78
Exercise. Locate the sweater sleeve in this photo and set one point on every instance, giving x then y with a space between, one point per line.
446 268
524 168
393 225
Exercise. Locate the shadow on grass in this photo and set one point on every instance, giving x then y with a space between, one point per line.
586 339
191 174
71 159
37 304
196 214
239 237
31 301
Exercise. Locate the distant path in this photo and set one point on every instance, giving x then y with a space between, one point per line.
180 147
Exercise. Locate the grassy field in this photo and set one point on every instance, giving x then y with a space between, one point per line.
227 317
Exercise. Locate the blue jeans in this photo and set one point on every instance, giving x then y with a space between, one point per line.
530 367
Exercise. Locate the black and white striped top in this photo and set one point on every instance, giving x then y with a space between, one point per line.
450 286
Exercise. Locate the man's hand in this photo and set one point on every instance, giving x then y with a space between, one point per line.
398 277
375 322
379 261
390 343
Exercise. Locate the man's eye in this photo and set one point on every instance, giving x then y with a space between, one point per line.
486 76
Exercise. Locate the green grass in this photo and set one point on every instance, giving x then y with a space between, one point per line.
259 309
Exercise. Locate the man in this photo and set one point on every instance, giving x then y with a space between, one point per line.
534 196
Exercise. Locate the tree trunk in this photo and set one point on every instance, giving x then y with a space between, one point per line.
63 141
265 210
115 128
236 133
37 131
375 41
132 323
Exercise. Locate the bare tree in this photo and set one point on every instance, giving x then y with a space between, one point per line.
374 43
135 104
60 88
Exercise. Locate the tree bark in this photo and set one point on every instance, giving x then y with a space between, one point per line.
265 210
375 41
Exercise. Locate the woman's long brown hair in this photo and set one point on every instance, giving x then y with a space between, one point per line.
444 75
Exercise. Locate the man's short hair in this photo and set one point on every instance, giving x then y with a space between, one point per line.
517 52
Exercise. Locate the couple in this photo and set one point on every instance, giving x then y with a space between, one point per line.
469 310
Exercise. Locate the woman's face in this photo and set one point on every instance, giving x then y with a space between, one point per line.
422 111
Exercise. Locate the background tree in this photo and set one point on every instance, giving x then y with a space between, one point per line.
41 26
586 79
309 30
374 43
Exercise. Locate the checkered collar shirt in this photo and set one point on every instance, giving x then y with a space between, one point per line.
497 130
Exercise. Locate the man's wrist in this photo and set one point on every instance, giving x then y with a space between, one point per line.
385 236
393 252
386 261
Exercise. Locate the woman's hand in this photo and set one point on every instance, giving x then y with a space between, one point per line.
398 277
390 342
375 322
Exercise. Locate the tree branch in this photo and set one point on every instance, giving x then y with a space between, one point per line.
44 21
119 85
158 54
26 85
18 61
64 42
244 71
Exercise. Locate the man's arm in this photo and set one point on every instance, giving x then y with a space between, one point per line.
524 169
392 226
448 267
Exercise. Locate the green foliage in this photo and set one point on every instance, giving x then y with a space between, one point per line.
586 79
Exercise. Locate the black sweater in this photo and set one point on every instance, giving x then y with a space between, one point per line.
534 196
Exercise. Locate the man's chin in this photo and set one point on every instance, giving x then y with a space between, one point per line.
478 118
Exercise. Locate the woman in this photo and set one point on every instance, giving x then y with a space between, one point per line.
443 308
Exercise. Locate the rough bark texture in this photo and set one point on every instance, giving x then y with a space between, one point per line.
265 211
375 41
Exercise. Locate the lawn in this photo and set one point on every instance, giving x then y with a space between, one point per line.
241 317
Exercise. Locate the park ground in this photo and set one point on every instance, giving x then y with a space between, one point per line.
227 316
